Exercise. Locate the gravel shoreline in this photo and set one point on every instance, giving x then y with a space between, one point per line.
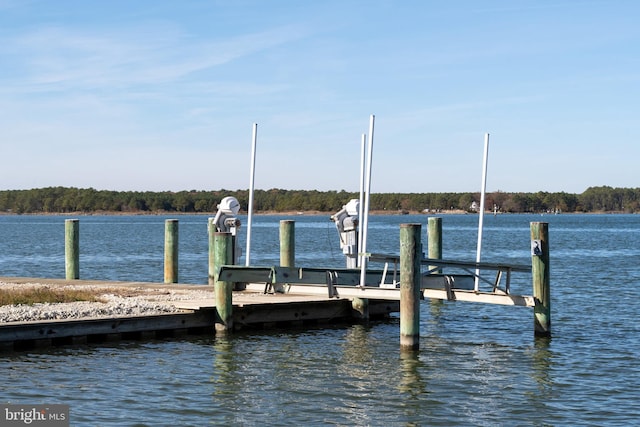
129 301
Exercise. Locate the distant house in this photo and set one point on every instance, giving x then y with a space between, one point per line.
474 206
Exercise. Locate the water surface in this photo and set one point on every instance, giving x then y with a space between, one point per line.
478 364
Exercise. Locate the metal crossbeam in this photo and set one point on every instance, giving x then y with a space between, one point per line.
371 292
471 267
342 283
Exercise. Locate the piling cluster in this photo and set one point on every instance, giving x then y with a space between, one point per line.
222 247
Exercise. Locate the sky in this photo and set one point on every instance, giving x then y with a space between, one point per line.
155 95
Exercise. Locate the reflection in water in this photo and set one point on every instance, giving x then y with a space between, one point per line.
436 308
357 348
540 397
412 386
225 367
411 381
540 369
226 381
357 364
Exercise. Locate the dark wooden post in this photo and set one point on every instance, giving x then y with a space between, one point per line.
410 254
171 251
223 290
72 249
541 278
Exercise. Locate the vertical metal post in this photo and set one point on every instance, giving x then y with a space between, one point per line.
72 249
171 251
364 225
251 191
223 290
541 278
485 161
410 254
287 243
363 147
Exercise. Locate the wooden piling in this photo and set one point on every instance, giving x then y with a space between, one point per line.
360 308
410 255
434 242
434 235
171 251
223 255
211 229
287 243
72 249
541 278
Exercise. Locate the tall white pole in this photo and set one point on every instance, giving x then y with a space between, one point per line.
367 194
363 147
251 187
481 213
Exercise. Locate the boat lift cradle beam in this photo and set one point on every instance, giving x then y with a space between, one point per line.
472 268
343 283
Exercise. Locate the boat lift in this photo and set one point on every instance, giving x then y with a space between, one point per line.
350 282
357 280
462 287
345 283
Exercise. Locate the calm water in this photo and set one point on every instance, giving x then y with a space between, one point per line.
478 364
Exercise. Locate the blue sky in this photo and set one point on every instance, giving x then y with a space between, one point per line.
161 95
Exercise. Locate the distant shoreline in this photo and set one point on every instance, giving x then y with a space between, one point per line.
76 201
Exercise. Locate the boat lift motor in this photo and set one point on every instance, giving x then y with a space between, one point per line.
346 220
225 221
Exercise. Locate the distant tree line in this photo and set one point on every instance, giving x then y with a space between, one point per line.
89 200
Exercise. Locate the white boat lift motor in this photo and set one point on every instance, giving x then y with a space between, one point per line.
346 220
225 221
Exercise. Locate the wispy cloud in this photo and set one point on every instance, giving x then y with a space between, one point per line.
56 58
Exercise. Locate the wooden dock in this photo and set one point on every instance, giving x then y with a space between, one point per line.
240 298
251 310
